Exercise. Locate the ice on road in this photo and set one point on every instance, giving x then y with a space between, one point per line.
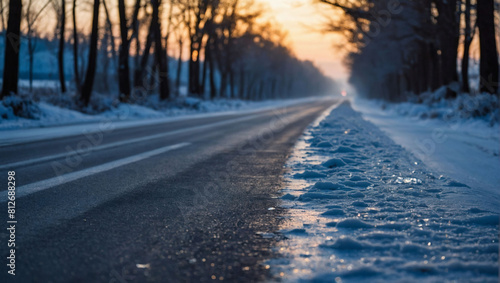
362 208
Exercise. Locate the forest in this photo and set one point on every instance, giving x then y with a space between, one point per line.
135 48
212 49
401 47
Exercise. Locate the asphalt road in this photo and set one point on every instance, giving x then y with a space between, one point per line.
179 201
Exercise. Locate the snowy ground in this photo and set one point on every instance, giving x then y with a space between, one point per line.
46 114
363 209
464 148
58 122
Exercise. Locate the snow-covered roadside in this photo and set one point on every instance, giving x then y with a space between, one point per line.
48 115
467 150
67 122
363 209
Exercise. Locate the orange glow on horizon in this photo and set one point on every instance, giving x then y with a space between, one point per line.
303 20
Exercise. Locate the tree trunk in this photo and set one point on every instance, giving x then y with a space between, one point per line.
229 52
231 83
488 65
223 84
123 66
60 56
467 42
75 50
102 77
437 79
160 54
427 56
242 84
211 61
139 70
31 52
135 37
11 59
273 88
424 67
109 28
204 70
91 66
449 34
194 67
2 18
249 91
165 50
196 40
260 94
152 79
179 68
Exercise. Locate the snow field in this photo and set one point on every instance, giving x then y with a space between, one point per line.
362 209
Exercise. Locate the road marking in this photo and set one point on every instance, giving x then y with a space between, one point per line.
16 165
56 181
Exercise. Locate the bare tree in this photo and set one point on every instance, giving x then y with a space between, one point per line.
197 13
33 12
2 17
123 64
143 61
108 50
11 63
109 29
400 47
448 26
60 55
488 69
92 57
179 38
241 58
468 37
75 50
160 54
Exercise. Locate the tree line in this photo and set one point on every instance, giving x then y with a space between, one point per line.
408 46
231 51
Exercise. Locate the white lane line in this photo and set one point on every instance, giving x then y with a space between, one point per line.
55 181
15 165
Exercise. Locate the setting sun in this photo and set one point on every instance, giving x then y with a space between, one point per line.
304 21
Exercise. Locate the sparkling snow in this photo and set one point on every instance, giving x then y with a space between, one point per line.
459 146
363 209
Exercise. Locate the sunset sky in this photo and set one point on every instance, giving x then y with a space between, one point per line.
304 20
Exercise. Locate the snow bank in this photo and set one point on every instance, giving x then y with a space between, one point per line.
439 105
44 110
459 145
377 214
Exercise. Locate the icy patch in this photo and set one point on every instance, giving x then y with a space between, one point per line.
365 210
